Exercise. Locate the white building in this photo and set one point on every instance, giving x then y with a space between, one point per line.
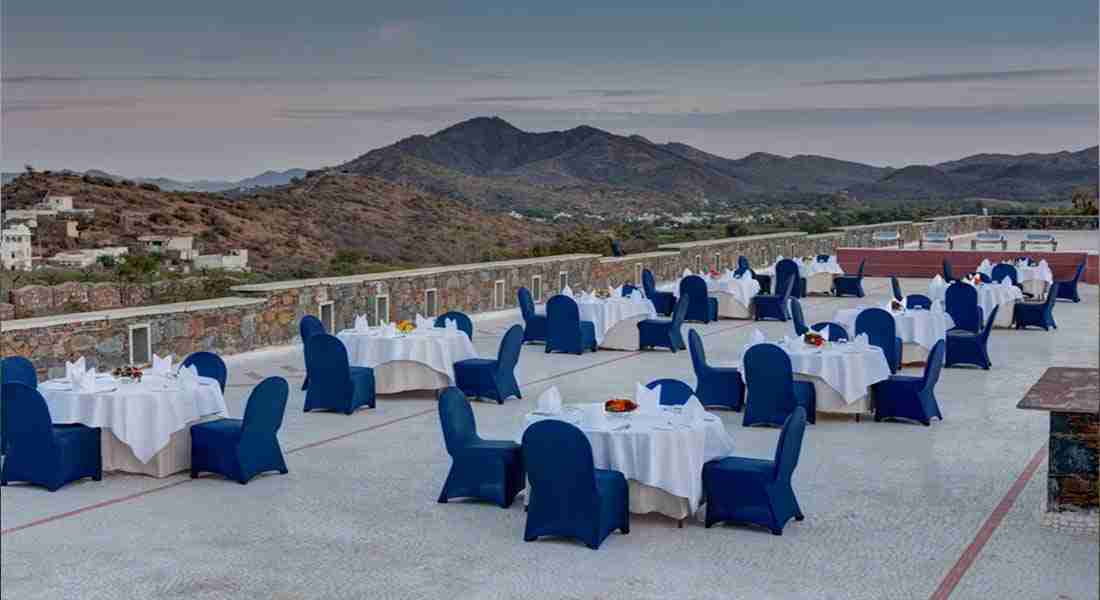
234 260
16 252
157 244
56 203
79 259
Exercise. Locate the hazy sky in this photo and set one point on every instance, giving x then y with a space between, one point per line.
230 88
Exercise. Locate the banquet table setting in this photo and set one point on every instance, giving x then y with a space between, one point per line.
990 295
1035 279
734 294
615 317
919 329
819 275
145 419
660 450
420 359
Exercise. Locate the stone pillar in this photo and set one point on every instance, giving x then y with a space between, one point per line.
1073 481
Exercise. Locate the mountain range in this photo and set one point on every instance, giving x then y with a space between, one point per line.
268 178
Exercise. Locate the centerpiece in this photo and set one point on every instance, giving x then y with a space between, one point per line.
896 305
132 373
811 338
620 405
603 294
406 327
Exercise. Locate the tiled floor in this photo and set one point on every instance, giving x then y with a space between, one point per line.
890 507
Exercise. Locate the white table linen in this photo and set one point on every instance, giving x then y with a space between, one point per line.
842 374
616 319
989 295
143 416
423 359
1035 280
650 452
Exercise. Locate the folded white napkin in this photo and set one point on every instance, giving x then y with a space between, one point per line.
549 401
937 279
450 324
746 276
83 381
862 342
614 292
1043 264
74 369
188 377
1006 281
693 411
423 322
648 401
567 291
389 330
162 365
594 417
361 323
985 266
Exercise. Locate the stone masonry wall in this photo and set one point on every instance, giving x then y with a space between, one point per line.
1072 480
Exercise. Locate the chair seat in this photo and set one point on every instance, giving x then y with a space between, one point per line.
906 379
962 333
495 445
758 468
726 371
654 323
476 363
226 428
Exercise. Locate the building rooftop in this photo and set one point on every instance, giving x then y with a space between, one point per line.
892 510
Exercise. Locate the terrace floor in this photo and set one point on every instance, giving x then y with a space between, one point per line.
893 510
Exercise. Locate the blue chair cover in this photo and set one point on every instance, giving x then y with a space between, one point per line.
742 266
39 452
1067 290
701 307
488 378
834 332
485 469
1002 270
773 393
907 397
753 490
307 328
797 318
765 281
850 285
714 386
881 331
209 365
335 384
1037 314
948 276
664 333
969 348
464 323
823 258
918 301
962 304
983 277
628 289
898 295
14 369
788 269
565 331
663 302
534 324
673 391
240 449
569 496
766 306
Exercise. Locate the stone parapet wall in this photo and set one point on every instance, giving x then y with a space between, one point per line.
1057 222
73 296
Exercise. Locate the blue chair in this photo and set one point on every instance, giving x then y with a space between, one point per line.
765 281
240 449
850 285
209 365
969 348
714 386
461 320
823 258
773 393
628 289
485 469
701 307
664 333
570 497
881 330
754 490
673 391
767 306
492 378
833 331
918 301
962 304
898 295
14 369
1002 270
663 302
1067 290
948 275
307 328
788 269
798 319
914 398
1037 314
565 331
39 452
534 324
983 277
336 385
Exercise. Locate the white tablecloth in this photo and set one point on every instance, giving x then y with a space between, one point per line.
617 313
438 349
806 268
921 327
847 371
141 415
667 459
1024 273
989 295
734 295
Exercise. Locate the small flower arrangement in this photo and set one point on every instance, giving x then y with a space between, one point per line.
896 305
715 274
813 339
602 294
133 373
406 326
976 279
619 405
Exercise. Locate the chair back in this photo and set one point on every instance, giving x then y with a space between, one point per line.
984 335
1052 295
327 364
28 428
617 248
680 311
558 459
526 304
17 369
918 301
947 271
789 446
1003 270
310 326
263 415
628 289
897 288
562 312
880 328
456 418
834 332
934 364
649 286
508 353
698 354
1077 274
798 318
787 289
962 304
694 288
209 365
862 264
673 391
769 377
464 323
823 258
743 264
785 270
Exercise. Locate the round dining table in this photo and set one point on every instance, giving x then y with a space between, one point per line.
734 294
989 295
918 329
1034 279
616 319
842 373
818 275
421 360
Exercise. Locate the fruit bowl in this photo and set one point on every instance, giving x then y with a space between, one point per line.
813 339
619 405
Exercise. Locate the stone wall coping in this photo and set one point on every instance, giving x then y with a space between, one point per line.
951 217
630 257
384 275
827 234
128 313
874 225
732 240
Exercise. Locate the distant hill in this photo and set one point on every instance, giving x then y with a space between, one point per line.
491 164
266 179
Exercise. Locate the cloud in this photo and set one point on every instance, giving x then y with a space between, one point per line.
69 104
617 93
39 78
958 77
507 98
